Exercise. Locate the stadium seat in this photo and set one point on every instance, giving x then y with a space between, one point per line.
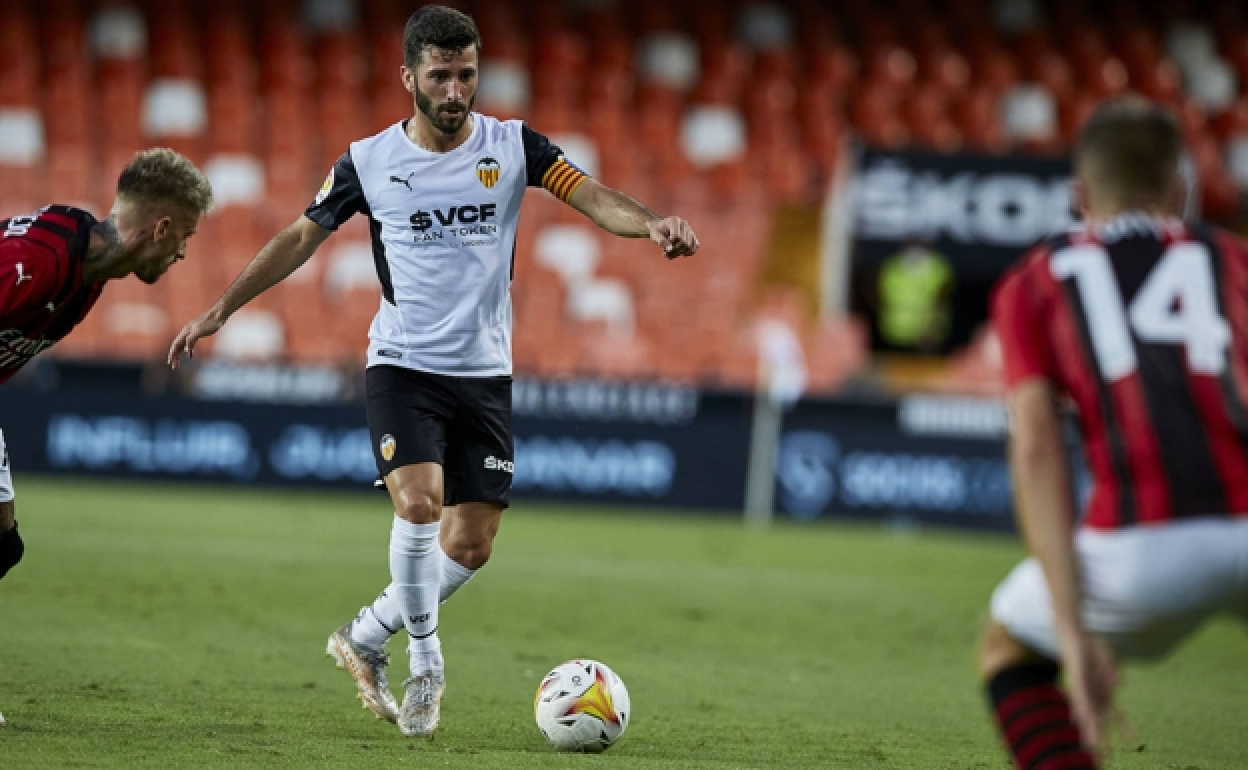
174 107
603 300
328 16
504 86
670 59
70 172
711 135
350 267
1212 84
236 179
891 65
21 137
251 334
1029 115
607 355
1237 160
119 32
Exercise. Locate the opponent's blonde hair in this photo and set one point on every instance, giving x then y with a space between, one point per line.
162 175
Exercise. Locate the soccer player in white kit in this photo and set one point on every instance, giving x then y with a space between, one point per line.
1139 319
442 193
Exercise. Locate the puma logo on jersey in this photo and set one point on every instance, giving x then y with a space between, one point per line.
405 182
21 275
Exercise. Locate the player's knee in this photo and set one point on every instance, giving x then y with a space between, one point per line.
11 550
419 508
998 650
470 549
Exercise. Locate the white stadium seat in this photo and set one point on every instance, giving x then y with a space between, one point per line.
1190 43
504 85
137 318
1237 160
328 15
572 251
174 107
250 334
606 300
1211 83
1029 112
351 267
713 134
765 25
669 58
119 32
580 150
237 180
21 136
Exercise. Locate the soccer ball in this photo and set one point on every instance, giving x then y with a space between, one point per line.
581 706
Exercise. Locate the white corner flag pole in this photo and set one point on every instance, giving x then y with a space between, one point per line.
764 439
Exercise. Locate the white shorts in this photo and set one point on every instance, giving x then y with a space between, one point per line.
1145 588
6 478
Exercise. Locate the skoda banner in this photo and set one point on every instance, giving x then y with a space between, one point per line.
931 234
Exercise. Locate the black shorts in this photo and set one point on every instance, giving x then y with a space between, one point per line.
460 423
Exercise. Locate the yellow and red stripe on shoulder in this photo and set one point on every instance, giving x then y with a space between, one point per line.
562 179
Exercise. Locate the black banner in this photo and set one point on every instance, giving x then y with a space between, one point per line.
623 443
922 459
933 233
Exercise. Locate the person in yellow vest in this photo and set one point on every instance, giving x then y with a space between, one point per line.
915 289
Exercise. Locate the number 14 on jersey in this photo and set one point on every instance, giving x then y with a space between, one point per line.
1177 305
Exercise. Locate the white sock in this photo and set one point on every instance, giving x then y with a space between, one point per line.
414 572
454 575
379 621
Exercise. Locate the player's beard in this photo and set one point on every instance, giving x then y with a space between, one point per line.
440 120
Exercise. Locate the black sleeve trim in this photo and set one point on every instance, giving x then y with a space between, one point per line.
539 155
341 197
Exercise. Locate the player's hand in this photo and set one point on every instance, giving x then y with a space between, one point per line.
675 236
204 326
1091 677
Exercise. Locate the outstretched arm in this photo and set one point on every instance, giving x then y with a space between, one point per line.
619 214
280 257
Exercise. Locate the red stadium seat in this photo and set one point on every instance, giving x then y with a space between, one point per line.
1232 121
1104 76
1073 112
977 116
1053 71
1160 82
835 66
995 69
891 65
945 68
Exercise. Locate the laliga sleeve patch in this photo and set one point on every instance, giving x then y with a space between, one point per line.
323 193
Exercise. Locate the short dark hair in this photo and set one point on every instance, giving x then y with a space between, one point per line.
160 175
436 26
1129 150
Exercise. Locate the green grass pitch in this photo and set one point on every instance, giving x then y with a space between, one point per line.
164 626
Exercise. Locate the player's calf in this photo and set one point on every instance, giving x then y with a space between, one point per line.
1033 715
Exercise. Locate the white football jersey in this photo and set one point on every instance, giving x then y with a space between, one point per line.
443 228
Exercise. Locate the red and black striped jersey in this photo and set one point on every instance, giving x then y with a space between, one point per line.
42 295
1143 323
